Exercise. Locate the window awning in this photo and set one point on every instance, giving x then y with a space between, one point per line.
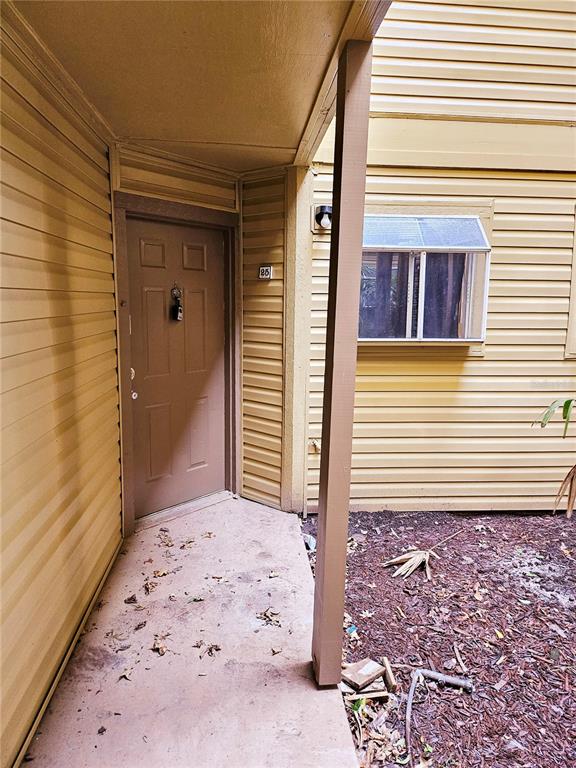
425 233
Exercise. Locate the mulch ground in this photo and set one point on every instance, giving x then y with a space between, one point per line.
503 598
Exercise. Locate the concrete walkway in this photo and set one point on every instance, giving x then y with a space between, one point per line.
243 699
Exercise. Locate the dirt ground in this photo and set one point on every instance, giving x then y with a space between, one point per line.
502 598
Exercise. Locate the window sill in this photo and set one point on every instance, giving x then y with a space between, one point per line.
473 347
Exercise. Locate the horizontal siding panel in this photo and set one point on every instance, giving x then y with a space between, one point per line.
20 240
475 61
254 437
27 430
19 304
262 455
265 412
561 6
263 470
478 15
457 89
262 489
419 490
262 320
25 209
28 335
37 131
538 399
484 71
526 430
519 109
47 455
28 398
21 175
262 394
34 88
265 366
18 272
457 464
32 526
514 35
61 512
458 51
24 148
261 381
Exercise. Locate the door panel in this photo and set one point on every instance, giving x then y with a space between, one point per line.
179 414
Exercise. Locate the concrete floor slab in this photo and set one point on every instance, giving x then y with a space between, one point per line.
229 690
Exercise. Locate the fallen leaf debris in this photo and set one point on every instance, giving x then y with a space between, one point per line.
269 617
500 610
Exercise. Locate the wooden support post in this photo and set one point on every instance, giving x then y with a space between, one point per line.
352 111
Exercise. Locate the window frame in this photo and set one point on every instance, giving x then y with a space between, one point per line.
481 209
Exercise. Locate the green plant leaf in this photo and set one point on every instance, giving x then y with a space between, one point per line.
567 414
549 412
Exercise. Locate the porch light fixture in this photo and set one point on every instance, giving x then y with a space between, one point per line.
323 216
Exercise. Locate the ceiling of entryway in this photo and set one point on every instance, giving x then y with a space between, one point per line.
227 83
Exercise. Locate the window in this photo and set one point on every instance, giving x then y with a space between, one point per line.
424 278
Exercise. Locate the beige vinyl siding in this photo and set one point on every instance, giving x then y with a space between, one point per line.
441 428
263 238
471 103
477 60
61 521
157 174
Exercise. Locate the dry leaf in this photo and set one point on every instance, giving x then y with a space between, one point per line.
568 489
159 574
149 586
165 539
269 617
158 646
410 561
210 649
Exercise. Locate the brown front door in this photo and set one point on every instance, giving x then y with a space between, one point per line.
178 376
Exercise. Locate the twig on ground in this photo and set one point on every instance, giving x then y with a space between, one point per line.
459 659
430 674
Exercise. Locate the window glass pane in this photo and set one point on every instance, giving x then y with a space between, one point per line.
383 295
452 232
445 296
424 232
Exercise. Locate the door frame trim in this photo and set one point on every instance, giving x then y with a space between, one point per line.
126 205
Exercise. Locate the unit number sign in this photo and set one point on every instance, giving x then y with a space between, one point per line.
265 272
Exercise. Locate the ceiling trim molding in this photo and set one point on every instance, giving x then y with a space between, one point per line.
32 51
137 170
362 23
259 174
164 160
